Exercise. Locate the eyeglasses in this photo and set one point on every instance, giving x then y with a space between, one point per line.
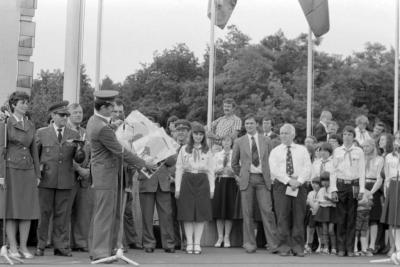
63 114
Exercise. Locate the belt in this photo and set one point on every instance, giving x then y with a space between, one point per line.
196 171
348 182
370 180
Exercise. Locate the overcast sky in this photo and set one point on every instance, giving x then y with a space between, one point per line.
134 29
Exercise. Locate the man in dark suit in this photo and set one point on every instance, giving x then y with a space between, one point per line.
250 162
106 153
57 152
321 129
268 125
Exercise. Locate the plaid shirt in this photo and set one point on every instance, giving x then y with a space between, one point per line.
224 126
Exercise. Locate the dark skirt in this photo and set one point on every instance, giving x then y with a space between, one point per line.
376 210
22 195
194 203
389 214
225 199
323 215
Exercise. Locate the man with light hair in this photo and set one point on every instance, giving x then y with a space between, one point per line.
362 133
290 170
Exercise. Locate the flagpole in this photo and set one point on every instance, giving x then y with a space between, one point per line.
309 82
98 44
396 72
211 68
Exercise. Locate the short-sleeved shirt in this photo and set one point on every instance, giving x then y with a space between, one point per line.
224 126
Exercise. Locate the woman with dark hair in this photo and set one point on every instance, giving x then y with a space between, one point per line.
194 187
170 128
226 198
385 144
22 172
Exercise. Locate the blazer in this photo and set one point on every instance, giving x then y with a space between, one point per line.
56 157
106 154
160 177
22 151
241 159
320 132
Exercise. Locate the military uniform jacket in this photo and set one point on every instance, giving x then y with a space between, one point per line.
106 154
56 158
22 151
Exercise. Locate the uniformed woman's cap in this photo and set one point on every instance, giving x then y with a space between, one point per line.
197 128
182 124
105 95
59 108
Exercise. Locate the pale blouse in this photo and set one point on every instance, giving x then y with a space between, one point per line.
195 162
322 193
319 166
374 168
219 163
392 166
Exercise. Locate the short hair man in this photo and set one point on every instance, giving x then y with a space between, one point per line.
250 162
57 153
349 179
361 131
82 195
290 169
106 154
379 129
229 124
321 129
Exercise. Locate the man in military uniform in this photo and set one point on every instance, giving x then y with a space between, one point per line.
81 204
106 155
57 152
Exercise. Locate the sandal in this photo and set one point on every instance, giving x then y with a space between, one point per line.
189 249
197 249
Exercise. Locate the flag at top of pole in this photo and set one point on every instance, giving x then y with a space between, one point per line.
223 11
317 15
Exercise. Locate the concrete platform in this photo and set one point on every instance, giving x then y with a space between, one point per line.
215 257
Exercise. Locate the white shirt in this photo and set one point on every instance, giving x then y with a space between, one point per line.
392 166
301 163
187 163
322 202
361 137
219 160
349 164
254 169
312 201
328 167
56 129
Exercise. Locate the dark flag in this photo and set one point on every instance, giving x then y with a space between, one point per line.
317 14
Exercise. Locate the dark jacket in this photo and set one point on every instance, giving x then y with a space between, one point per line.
320 132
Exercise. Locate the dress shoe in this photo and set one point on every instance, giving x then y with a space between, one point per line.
197 249
149 250
351 254
274 250
251 250
218 243
227 243
14 254
62 252
189 249
39 252
285 254
169 250
26 254
80 249
341 253
299 254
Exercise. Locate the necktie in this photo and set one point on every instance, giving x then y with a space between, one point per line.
348 152
322 166
255 160
289 162
59 135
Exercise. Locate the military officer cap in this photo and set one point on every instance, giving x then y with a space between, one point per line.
105 95
59 108
182 124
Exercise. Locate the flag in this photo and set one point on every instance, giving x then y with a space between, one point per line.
223 11
317 14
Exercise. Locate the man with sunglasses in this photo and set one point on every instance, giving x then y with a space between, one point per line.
57 151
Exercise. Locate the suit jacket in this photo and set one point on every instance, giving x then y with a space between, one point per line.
56 157
320 132
241 159
160 177
106 154
22 151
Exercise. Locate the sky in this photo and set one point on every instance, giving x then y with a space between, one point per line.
134 29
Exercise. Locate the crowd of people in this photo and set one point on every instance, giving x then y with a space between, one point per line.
335 194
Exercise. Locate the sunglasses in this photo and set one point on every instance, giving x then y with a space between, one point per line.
63 114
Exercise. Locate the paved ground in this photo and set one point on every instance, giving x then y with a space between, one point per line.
210 257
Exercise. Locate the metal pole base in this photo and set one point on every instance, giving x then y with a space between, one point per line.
118 256
7 257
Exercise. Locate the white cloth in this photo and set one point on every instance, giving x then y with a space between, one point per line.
312 201
349 164
189 162
254 169
322 202
392 166
219 160
363 136
328 167
374 168
301 163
